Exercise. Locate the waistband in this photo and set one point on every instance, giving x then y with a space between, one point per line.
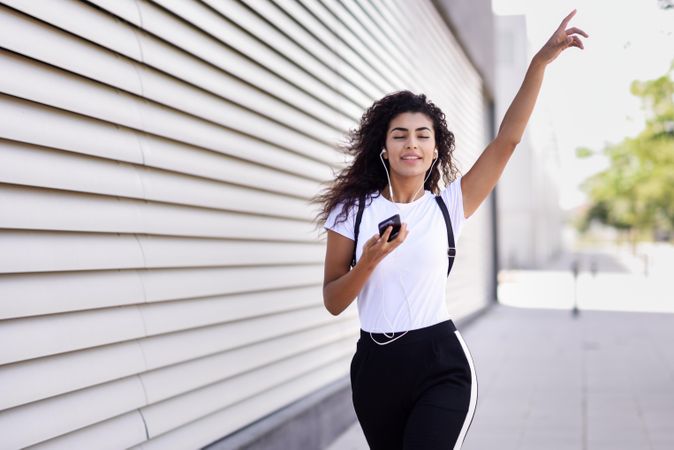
418 334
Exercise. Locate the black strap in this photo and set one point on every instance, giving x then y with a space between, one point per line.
356 228
451 248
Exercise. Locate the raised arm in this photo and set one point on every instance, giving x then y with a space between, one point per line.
479 181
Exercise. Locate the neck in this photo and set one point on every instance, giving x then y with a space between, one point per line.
404 191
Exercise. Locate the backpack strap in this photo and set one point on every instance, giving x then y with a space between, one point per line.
451 250
356 227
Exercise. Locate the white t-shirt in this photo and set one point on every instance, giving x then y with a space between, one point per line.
417 267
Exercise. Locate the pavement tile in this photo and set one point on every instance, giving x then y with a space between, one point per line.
547 381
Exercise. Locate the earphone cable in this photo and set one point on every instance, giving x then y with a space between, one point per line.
409 308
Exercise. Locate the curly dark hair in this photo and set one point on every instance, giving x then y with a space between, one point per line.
366 173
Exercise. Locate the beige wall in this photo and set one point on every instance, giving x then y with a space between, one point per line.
160 276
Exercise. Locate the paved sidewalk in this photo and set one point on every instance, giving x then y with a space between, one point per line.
548 381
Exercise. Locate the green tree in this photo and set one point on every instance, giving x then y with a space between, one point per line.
636 192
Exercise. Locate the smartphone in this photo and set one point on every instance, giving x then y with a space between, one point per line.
393 220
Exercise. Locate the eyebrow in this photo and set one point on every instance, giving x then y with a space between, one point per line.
405 129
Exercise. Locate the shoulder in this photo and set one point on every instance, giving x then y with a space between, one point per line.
452 189
343 217
452 194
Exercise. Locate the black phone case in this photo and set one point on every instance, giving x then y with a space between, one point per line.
393 220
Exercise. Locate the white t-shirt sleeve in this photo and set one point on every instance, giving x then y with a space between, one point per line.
345 226
453 197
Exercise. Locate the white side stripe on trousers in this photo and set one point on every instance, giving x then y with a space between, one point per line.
473 394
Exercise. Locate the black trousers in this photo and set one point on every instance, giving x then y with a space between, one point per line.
418 392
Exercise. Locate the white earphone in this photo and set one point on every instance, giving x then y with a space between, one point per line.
409 308
383 150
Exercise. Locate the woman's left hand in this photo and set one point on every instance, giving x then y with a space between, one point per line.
561 40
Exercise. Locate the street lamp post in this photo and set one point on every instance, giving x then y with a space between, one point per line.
575 269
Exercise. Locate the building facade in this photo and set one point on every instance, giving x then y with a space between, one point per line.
161 277
530 221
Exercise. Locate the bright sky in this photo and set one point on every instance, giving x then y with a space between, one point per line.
587 91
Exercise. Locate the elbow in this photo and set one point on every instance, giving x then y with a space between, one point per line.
328 305
509 142
332 311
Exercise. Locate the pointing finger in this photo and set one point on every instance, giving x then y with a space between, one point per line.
566 19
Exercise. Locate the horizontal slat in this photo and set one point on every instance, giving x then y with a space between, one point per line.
197 343
120 432
180 252
223 422
36 337
175 284
34 166
128 429
314 56
344 50
159 251
415 54
165 317
60 129
180 410
49 293
81 20
371 28
38 40
40 209
25 382
128 394
283 64
437 54
33 251
71 53
39 421
233 157
175 379
454 60
167 27
38 379
41 336
35 81
342 23
183 283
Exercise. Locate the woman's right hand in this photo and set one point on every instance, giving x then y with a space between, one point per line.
377 247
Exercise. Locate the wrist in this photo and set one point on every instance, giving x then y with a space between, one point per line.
365 266
539 61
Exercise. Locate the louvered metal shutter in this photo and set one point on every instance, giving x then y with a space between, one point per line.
161 278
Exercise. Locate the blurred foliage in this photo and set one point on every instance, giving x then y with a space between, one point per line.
636 191
584 152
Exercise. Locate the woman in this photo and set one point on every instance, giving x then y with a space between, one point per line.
412 376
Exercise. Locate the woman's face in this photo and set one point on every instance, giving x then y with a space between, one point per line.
410 135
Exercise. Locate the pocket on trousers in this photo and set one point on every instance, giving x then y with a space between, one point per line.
447 352
357 362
